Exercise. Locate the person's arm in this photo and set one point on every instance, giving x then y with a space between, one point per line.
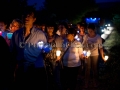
101 49
102 53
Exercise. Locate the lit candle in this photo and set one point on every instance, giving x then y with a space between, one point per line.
88 53
58 52
106 58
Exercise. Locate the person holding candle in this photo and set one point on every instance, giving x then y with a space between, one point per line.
71 61
51 58
30 71
92 42
81 26
60 42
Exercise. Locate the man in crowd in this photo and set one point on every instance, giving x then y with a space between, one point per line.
30 71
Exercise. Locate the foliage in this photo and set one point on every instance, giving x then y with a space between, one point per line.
116 21
68 9
81 16
111 79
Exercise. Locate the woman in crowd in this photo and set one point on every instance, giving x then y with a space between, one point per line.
14 25
50 58
71 61
92 42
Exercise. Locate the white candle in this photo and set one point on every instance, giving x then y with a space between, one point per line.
106 58
58 52
88 53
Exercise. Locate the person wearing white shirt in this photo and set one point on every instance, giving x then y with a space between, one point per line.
92 42
71 61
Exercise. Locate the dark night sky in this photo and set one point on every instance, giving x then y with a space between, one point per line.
100 1
40 2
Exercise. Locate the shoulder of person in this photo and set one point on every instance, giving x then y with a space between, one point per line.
37 29
19 31
56 35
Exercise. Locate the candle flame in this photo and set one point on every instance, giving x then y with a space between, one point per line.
106 57
88 53
58 52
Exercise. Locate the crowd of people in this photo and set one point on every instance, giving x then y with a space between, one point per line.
30 59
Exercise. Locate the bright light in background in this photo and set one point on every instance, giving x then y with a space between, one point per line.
108 25
92 20
107 31
104 36
102 30
110 28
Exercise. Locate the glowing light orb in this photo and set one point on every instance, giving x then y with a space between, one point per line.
58 52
